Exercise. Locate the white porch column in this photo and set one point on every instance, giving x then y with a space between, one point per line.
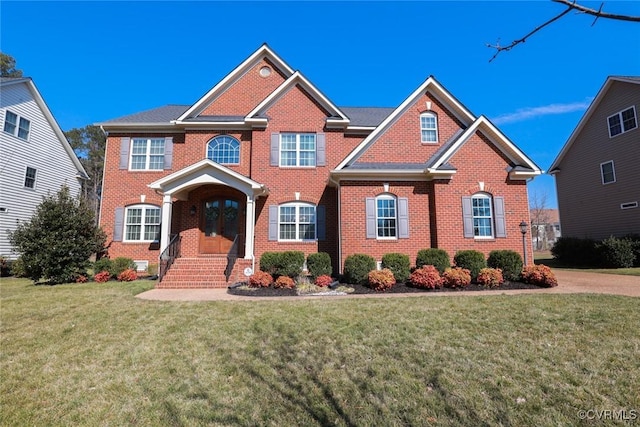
165 236
250 223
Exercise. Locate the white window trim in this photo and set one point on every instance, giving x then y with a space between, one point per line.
147 155
395 202
16 131
143 223
35 178
435 117
491 217
297 206
613 169
619 114
628 205
297 165
214 140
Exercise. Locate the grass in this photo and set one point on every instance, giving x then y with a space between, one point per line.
93 354
547 259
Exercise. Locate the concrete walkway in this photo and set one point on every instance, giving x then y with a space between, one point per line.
570 282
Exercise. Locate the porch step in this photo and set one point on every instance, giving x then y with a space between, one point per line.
203 272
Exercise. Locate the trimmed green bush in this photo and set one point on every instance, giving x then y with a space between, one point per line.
103 264
510 262
319 264
399 264
617 253
357 268
439 258
269 262
287 263
471 260
571 251
121 264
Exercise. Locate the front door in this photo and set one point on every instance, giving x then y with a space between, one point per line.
219 225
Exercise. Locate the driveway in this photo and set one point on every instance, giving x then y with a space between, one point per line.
570 282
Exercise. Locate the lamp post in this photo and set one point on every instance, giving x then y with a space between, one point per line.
523 230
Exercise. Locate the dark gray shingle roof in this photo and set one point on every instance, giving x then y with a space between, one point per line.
156 115
387 166
366 116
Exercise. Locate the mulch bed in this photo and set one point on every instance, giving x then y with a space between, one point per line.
398 288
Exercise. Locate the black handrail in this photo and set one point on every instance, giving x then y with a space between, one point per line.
169 255
232 256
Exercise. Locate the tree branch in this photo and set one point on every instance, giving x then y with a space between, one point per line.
571 5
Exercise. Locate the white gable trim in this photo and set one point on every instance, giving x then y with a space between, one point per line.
263 52
179 183
430 85
297 79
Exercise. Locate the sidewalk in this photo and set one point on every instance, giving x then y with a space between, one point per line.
570 282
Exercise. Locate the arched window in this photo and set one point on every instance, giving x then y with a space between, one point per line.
224 149
386 217
482 215
142 223
429 128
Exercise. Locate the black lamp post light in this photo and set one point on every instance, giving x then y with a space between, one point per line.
523 229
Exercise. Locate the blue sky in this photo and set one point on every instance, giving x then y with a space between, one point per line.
94 61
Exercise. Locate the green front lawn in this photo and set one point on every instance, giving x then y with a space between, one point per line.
93 354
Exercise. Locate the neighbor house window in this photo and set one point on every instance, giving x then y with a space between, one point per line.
30 178
622 121
224 149
482 215
142 223
13 123
297 222
386 217
147 154
429 127
297 149
608 172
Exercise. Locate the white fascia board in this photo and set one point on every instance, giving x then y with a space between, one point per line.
524 175
263 52
396 175
429 85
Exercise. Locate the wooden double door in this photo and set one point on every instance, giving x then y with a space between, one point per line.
220 222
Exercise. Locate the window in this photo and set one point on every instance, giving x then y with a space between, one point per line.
622 122
608 172
13 122
142 223
297 222
30 178
429 127
224 150
297 149
147 154
386 217
482 217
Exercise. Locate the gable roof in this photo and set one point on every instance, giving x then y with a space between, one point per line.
6 81
602 93
159 115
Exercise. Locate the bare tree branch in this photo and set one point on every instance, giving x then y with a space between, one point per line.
571 5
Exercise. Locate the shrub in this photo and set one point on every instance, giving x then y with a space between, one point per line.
571 251
471 260
121 264
5 266
285 282
323 280
102 277
287 263
260 279
269 262
103 264
357 268
456 277
381 280
82 279
128 275
540 275
319 264
399 264
510 262
617 253
439 258
490 277
427 277
18 269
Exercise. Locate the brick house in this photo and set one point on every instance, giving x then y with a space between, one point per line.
266 162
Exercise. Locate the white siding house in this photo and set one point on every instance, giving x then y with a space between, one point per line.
35 157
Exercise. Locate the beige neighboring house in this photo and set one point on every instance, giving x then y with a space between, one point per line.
597 172
545 228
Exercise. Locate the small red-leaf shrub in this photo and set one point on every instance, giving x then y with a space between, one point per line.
540 275
456 277
324 280
128 275
102 277
81 279
260 279
490 277
427 277
381 280
285 282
